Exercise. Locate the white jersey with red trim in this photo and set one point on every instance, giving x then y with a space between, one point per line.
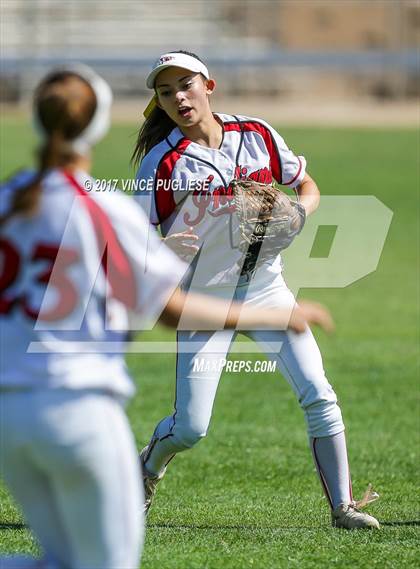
69 274
183 184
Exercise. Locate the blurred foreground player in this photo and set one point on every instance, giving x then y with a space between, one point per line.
67 451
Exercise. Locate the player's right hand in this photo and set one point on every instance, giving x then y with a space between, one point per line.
183 244
308 313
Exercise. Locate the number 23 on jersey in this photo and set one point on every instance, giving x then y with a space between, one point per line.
43 258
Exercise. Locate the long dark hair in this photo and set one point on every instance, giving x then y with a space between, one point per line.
155 128
65 105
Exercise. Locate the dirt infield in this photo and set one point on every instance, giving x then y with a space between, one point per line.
296 112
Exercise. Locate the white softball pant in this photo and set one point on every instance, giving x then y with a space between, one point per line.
297 356
70 461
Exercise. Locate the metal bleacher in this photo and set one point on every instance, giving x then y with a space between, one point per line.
102 29
121 37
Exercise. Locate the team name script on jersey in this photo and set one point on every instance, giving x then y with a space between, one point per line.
220 201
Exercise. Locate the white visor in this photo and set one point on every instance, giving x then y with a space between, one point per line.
100 122
176 60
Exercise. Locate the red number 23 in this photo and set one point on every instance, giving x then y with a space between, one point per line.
9 271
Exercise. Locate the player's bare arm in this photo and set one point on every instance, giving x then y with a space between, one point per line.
201 312
309 194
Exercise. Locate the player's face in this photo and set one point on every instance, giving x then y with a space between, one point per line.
183 95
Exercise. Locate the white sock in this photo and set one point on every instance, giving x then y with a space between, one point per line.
162 447
160 453
330 456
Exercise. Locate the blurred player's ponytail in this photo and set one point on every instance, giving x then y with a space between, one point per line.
68 119
155 128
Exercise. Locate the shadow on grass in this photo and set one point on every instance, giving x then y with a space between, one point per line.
404 523
13 526
226 527
263 528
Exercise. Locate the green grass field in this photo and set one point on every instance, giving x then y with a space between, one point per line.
248 495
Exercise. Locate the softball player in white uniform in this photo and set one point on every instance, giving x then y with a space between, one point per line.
72 264
67 451
188 157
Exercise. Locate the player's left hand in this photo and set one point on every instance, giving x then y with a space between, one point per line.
183 244
313 314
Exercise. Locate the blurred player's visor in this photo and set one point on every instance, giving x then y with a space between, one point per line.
172 60
101 119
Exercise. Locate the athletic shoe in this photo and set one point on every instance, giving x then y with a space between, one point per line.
347 516
149 482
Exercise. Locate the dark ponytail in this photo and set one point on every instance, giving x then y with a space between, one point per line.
55 152
155 128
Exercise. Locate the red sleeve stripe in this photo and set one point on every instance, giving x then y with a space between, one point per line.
297 174
270 143
164 195
114 261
